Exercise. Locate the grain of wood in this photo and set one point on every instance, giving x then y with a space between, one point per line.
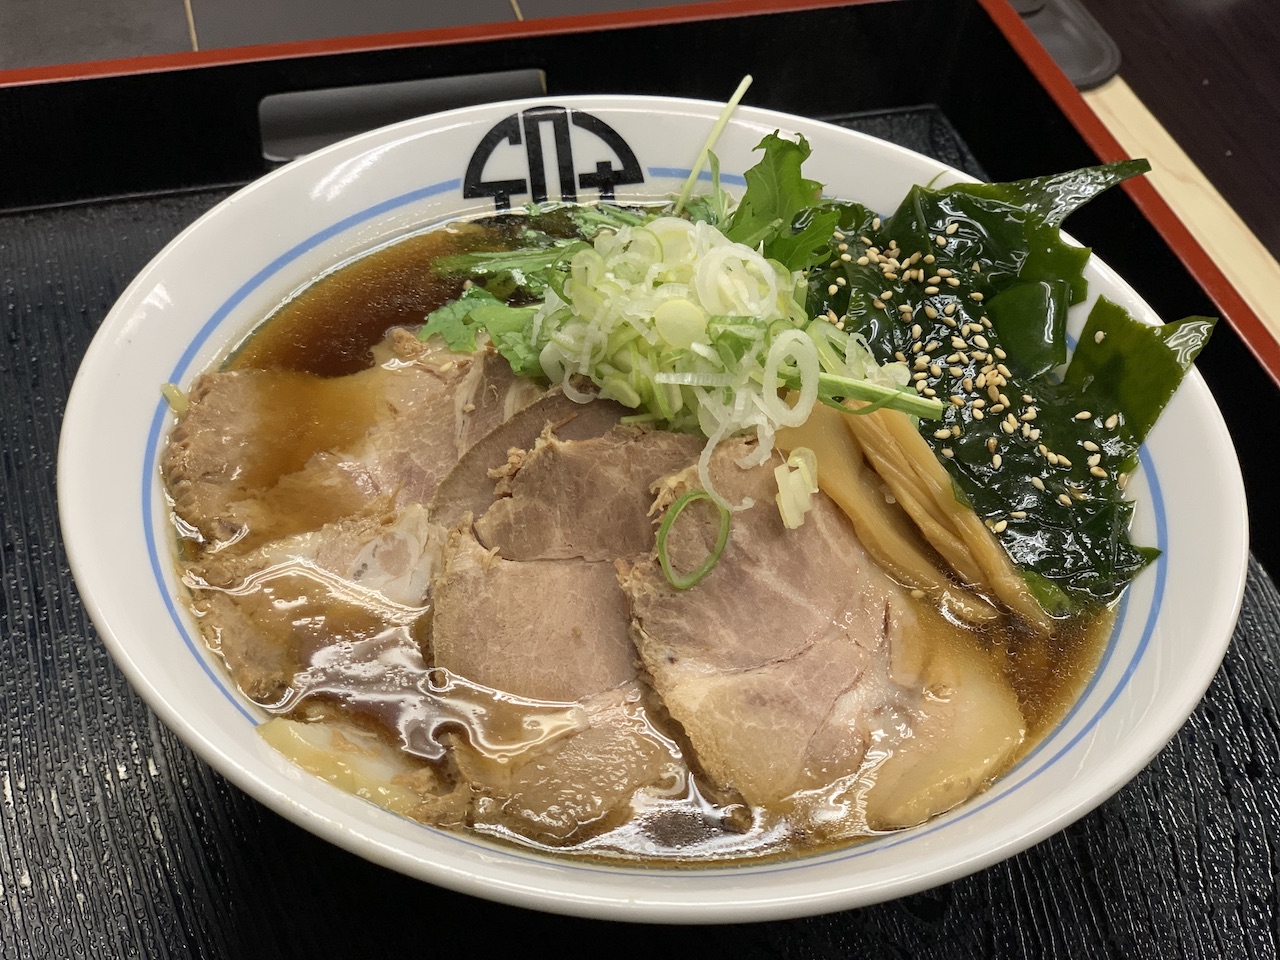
1225 237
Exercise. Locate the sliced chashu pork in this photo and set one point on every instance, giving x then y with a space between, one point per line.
797 663
271 610
554 625
261 454
588 499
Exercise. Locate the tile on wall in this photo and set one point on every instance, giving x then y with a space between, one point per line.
236 23
37 33
536 9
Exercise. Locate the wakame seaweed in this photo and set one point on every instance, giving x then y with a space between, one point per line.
969 285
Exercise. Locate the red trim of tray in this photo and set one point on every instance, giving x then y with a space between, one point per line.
1260 340
503 30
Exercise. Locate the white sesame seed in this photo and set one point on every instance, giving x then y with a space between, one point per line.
1094 459
1099 336
1001 355
886 295
863 261
842 247
940 240
948 452
1122 481
936 278
930 312
846 257
832 290
953 281
956 371
898 355
929 392
981 341
1112 421
1000 527
991 444
841 281
831 315
875 223
930 291
1018 514
978 414
1063 462
952 228
838 235
1090 446
996 461
929 258
1037 483
1098 472
949 309
916 331
942 434
1064 499
944 272
1084 415
1004 425
878 304
957 400
976 295
905 310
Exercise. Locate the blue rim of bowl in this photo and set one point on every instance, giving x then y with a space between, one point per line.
1010 782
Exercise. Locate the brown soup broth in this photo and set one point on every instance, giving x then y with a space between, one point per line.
328 329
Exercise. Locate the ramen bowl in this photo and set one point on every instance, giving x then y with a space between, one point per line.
203 293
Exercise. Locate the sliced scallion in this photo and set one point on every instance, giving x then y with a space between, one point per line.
684 582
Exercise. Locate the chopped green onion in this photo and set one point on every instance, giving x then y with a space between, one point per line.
721 123
174 396
668 521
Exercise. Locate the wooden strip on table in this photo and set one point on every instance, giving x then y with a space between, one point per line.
1238 253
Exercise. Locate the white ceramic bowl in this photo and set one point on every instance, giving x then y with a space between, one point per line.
222 275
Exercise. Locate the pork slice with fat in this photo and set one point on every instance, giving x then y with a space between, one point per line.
796 665
584 498
270 610
261 454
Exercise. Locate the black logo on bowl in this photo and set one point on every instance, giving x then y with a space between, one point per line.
529 128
